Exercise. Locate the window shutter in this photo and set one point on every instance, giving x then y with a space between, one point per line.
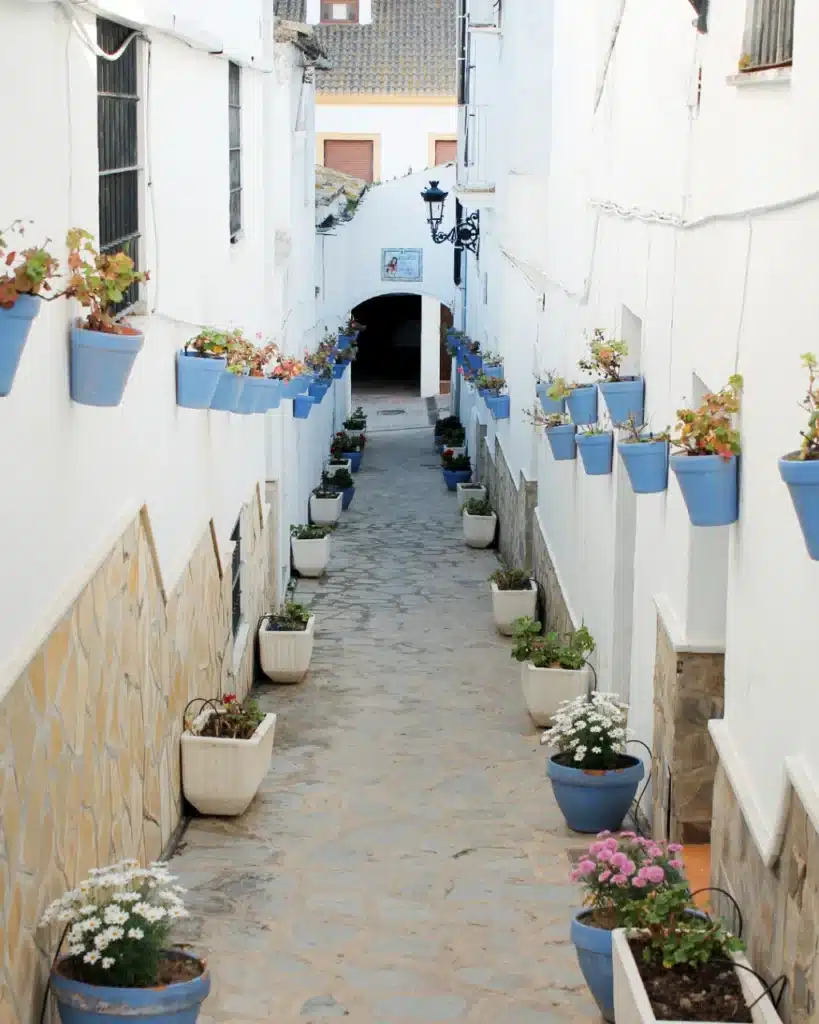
446 151
350 156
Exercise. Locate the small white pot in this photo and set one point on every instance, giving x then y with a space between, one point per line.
325 511
310 557
348 465
285 656
508 605
456 451
355 433
222 776
545 688
479 531
466 492
631 1002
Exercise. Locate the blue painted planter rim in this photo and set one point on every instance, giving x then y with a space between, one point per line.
588 936
588 778
108 342
700 463
25 307
643 447
562 428
594 439
798 471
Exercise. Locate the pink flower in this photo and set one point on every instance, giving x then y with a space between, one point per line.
605 855
586 866
618 860
574 876
611 843
595 848
654 873
639 883
620 880
654 851
674 847
604 876
629 868
678 864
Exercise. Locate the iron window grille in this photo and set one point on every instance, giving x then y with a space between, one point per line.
236 578
339 12
769 39
235 148
118 147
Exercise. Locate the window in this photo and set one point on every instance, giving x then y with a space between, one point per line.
118 147
350 156
333 13
235 148
446 151
236 578
769 35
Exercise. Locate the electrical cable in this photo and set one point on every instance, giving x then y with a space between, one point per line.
642 793
715 888
67 9
44 1005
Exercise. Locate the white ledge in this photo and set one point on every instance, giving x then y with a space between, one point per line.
681 643
766 76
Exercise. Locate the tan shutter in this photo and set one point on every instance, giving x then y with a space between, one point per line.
446 151
350 156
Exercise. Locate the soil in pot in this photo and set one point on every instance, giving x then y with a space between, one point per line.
171 970
707 992
623 761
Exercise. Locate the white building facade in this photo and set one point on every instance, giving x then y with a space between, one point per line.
642 203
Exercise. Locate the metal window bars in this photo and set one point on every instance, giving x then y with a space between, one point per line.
770 35
235 148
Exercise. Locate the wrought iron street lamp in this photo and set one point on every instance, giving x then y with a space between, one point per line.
465 234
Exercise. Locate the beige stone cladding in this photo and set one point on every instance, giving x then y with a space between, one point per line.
780 903
688 693
514 505
89 733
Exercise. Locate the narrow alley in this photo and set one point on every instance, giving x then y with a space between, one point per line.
404 859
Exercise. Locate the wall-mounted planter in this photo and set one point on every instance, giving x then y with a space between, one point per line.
354 459
484 393
452 477
101 364
646 463
325 511
285 654
479 531
318 389
310 557
347 496
15 323
582 405
508 605
345 340
292 387
709 487
252 397
197 378
270 396
593 801
338 370
596 451
499 407
228 393
549 405
563 441
473 361
802 478
545 688
493 371
302 407
625 399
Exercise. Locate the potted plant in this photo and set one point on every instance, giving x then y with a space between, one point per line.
593 779
800 469
706 469
543 387
492 365
24 275
325 504
337 462
200 367
561 434
226 751
479 523
293 376
267 385
320 363
471 355
624 395
228 396
343 480
349 446
356 423
466 492
119 962
455 469
103 350
286 643
554 667
348 332
616 871
672 962
596 447
496 401
645 456
580 399
311 549
514 596
243 359
303 406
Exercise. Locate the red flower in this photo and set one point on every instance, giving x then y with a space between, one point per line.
229 698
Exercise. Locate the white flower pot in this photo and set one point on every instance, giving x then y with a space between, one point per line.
508 605
466 492
325 511
545 688
631 1002
222 776
348 465
285 656
310 557
456 451
479 531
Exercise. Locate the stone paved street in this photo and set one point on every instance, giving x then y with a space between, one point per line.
404 860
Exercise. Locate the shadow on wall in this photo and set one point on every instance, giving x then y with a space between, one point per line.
389 351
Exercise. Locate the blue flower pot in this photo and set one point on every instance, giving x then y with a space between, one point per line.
101 365
709 487
270 394
453 477
302 406
80 1003
15 323
563 441
646 463
228 392
802 478
498 406
594 954
338 370
493 371
473 361
592 801
347 496
355 459
582 404
197 378
291 388
303 382
596 451
318 389
252 397
549 405
624 399
345 340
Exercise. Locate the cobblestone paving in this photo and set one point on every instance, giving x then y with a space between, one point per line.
404 860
